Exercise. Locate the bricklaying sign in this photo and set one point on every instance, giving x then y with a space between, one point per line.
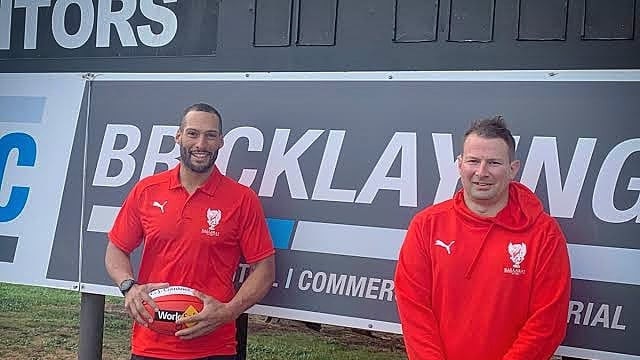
341 162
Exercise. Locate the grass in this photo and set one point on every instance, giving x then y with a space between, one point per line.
43 323
37 322
293 346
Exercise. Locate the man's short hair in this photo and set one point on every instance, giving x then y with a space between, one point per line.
201 107
494 128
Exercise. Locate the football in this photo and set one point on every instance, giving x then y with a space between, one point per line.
173 303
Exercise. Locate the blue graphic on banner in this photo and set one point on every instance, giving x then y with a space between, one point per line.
26 147
280 230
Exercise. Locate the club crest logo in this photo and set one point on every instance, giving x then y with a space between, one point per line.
213 219
516 252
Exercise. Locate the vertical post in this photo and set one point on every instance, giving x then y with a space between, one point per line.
91 326
242 329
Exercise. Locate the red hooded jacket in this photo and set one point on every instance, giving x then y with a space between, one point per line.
487 288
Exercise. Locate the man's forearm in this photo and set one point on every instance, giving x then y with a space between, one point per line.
255 287
118 264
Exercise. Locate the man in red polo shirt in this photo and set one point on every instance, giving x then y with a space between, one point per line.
194 224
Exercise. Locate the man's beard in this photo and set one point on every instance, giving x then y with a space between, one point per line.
185 157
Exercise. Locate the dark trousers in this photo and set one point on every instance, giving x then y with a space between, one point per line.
219 357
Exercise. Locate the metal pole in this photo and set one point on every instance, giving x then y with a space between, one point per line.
242 329
91 326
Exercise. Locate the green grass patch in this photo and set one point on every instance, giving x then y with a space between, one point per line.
307 347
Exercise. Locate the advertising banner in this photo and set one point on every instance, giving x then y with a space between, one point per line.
342 161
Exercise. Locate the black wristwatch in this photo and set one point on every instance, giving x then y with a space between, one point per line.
126 286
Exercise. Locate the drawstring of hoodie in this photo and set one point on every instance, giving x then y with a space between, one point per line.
467 275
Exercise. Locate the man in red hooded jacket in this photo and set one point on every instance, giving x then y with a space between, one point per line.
484 275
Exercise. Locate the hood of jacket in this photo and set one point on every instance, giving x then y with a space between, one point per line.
522 210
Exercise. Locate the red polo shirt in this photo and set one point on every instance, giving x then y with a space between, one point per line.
194 241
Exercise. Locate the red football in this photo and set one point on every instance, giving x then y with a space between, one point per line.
173 303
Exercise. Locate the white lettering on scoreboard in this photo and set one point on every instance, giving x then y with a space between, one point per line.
100 21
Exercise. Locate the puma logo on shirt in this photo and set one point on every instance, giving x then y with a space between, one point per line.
160 206
444 245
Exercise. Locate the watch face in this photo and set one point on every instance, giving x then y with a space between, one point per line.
126 285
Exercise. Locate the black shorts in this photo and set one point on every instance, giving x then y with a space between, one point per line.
217 357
